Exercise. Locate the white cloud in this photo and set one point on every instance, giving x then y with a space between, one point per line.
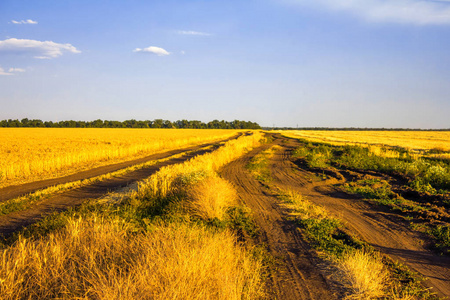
3 72
17 70
420 12
11 71
24 22
155 50
41 50
190 32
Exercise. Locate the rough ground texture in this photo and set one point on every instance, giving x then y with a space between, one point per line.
13 222
296 276
383 229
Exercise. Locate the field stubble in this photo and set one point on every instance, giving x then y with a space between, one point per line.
153 243
29 154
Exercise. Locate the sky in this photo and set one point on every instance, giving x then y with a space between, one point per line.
306 63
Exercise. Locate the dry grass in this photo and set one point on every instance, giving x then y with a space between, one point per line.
28 154
95 257
365 275
407 139
166 179
301 207
378 140
98 259
209 198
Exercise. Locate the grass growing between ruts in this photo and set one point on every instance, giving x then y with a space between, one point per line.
259 165
151 244
425 181
363 272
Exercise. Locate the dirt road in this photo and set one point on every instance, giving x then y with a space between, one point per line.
15 191
13 222
298 279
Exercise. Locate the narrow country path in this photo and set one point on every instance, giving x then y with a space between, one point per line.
381 228
297 276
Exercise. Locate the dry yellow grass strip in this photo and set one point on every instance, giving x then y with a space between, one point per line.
28 154
98 259
303 208
362 274
166 179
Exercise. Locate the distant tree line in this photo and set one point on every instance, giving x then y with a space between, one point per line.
352 129
157 123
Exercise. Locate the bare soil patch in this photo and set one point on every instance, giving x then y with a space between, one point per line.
297 275
381 228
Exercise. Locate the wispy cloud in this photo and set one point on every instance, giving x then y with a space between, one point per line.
24 22
420 12
11 71
16 70
41 50
4 73
190 32
152 49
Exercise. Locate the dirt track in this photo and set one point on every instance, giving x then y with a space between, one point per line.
15 221
381 229
15 191
298 278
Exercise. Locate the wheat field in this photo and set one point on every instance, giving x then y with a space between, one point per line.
414 140
103 255
29 154
432 144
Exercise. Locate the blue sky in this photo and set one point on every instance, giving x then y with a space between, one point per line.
333 63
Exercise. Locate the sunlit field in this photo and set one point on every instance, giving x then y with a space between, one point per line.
432 144
29 154
414 140
158 242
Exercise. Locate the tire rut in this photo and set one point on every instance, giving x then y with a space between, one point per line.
297 276
373 225
15 221
15 191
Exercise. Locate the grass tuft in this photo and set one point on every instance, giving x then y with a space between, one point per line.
210 198
366 276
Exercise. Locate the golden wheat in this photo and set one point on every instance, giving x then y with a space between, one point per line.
104 258
28 154
414 140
